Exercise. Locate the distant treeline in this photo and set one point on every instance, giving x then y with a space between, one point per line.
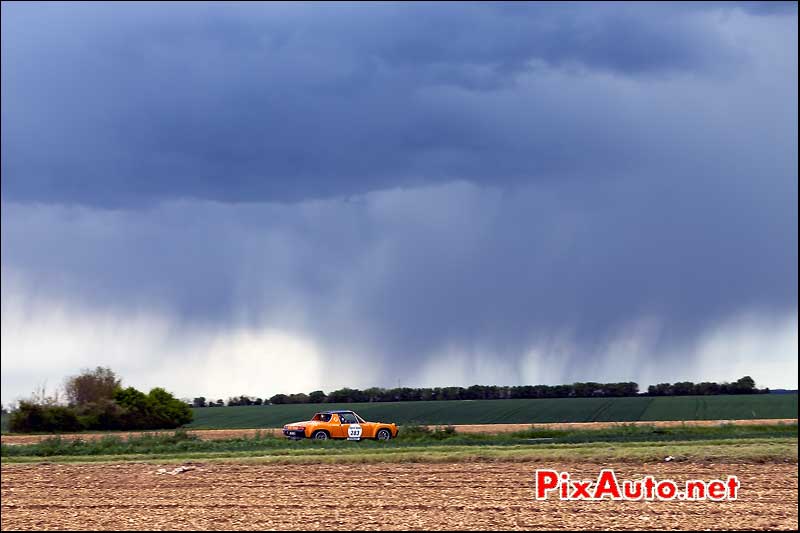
745 385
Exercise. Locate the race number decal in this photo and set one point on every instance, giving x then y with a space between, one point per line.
354 432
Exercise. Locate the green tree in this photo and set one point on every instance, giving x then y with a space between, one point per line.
298 398
745 385
157 410
169 411
317 396
279 399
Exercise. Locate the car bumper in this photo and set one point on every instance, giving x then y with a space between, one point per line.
294 433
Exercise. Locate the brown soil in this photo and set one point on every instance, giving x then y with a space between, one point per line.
473 428
376 496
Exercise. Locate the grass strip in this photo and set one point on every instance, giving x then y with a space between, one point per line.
726 450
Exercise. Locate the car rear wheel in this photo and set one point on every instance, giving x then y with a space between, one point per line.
383 434
320 435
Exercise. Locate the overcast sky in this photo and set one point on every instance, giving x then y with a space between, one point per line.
252 198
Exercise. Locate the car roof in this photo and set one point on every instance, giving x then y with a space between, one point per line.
334 412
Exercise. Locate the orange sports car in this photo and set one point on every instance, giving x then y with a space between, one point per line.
339 425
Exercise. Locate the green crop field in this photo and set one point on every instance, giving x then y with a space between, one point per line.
515 411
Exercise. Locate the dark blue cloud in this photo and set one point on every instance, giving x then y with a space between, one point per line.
128 104
406 177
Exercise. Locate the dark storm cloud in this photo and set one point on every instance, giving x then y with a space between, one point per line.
126 104
404 178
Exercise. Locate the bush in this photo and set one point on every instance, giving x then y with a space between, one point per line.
415 431
442 433
168 411
31 417
157 410
101 415
98 402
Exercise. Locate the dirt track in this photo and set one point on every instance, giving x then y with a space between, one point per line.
379 496
474 428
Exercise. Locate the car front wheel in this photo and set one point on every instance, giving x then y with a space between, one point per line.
383 434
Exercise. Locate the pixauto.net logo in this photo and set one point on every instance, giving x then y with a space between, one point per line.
607 486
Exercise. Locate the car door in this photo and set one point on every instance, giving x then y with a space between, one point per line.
367 428
338 429
352 427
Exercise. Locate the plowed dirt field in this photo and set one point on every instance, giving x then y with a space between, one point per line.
375 496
